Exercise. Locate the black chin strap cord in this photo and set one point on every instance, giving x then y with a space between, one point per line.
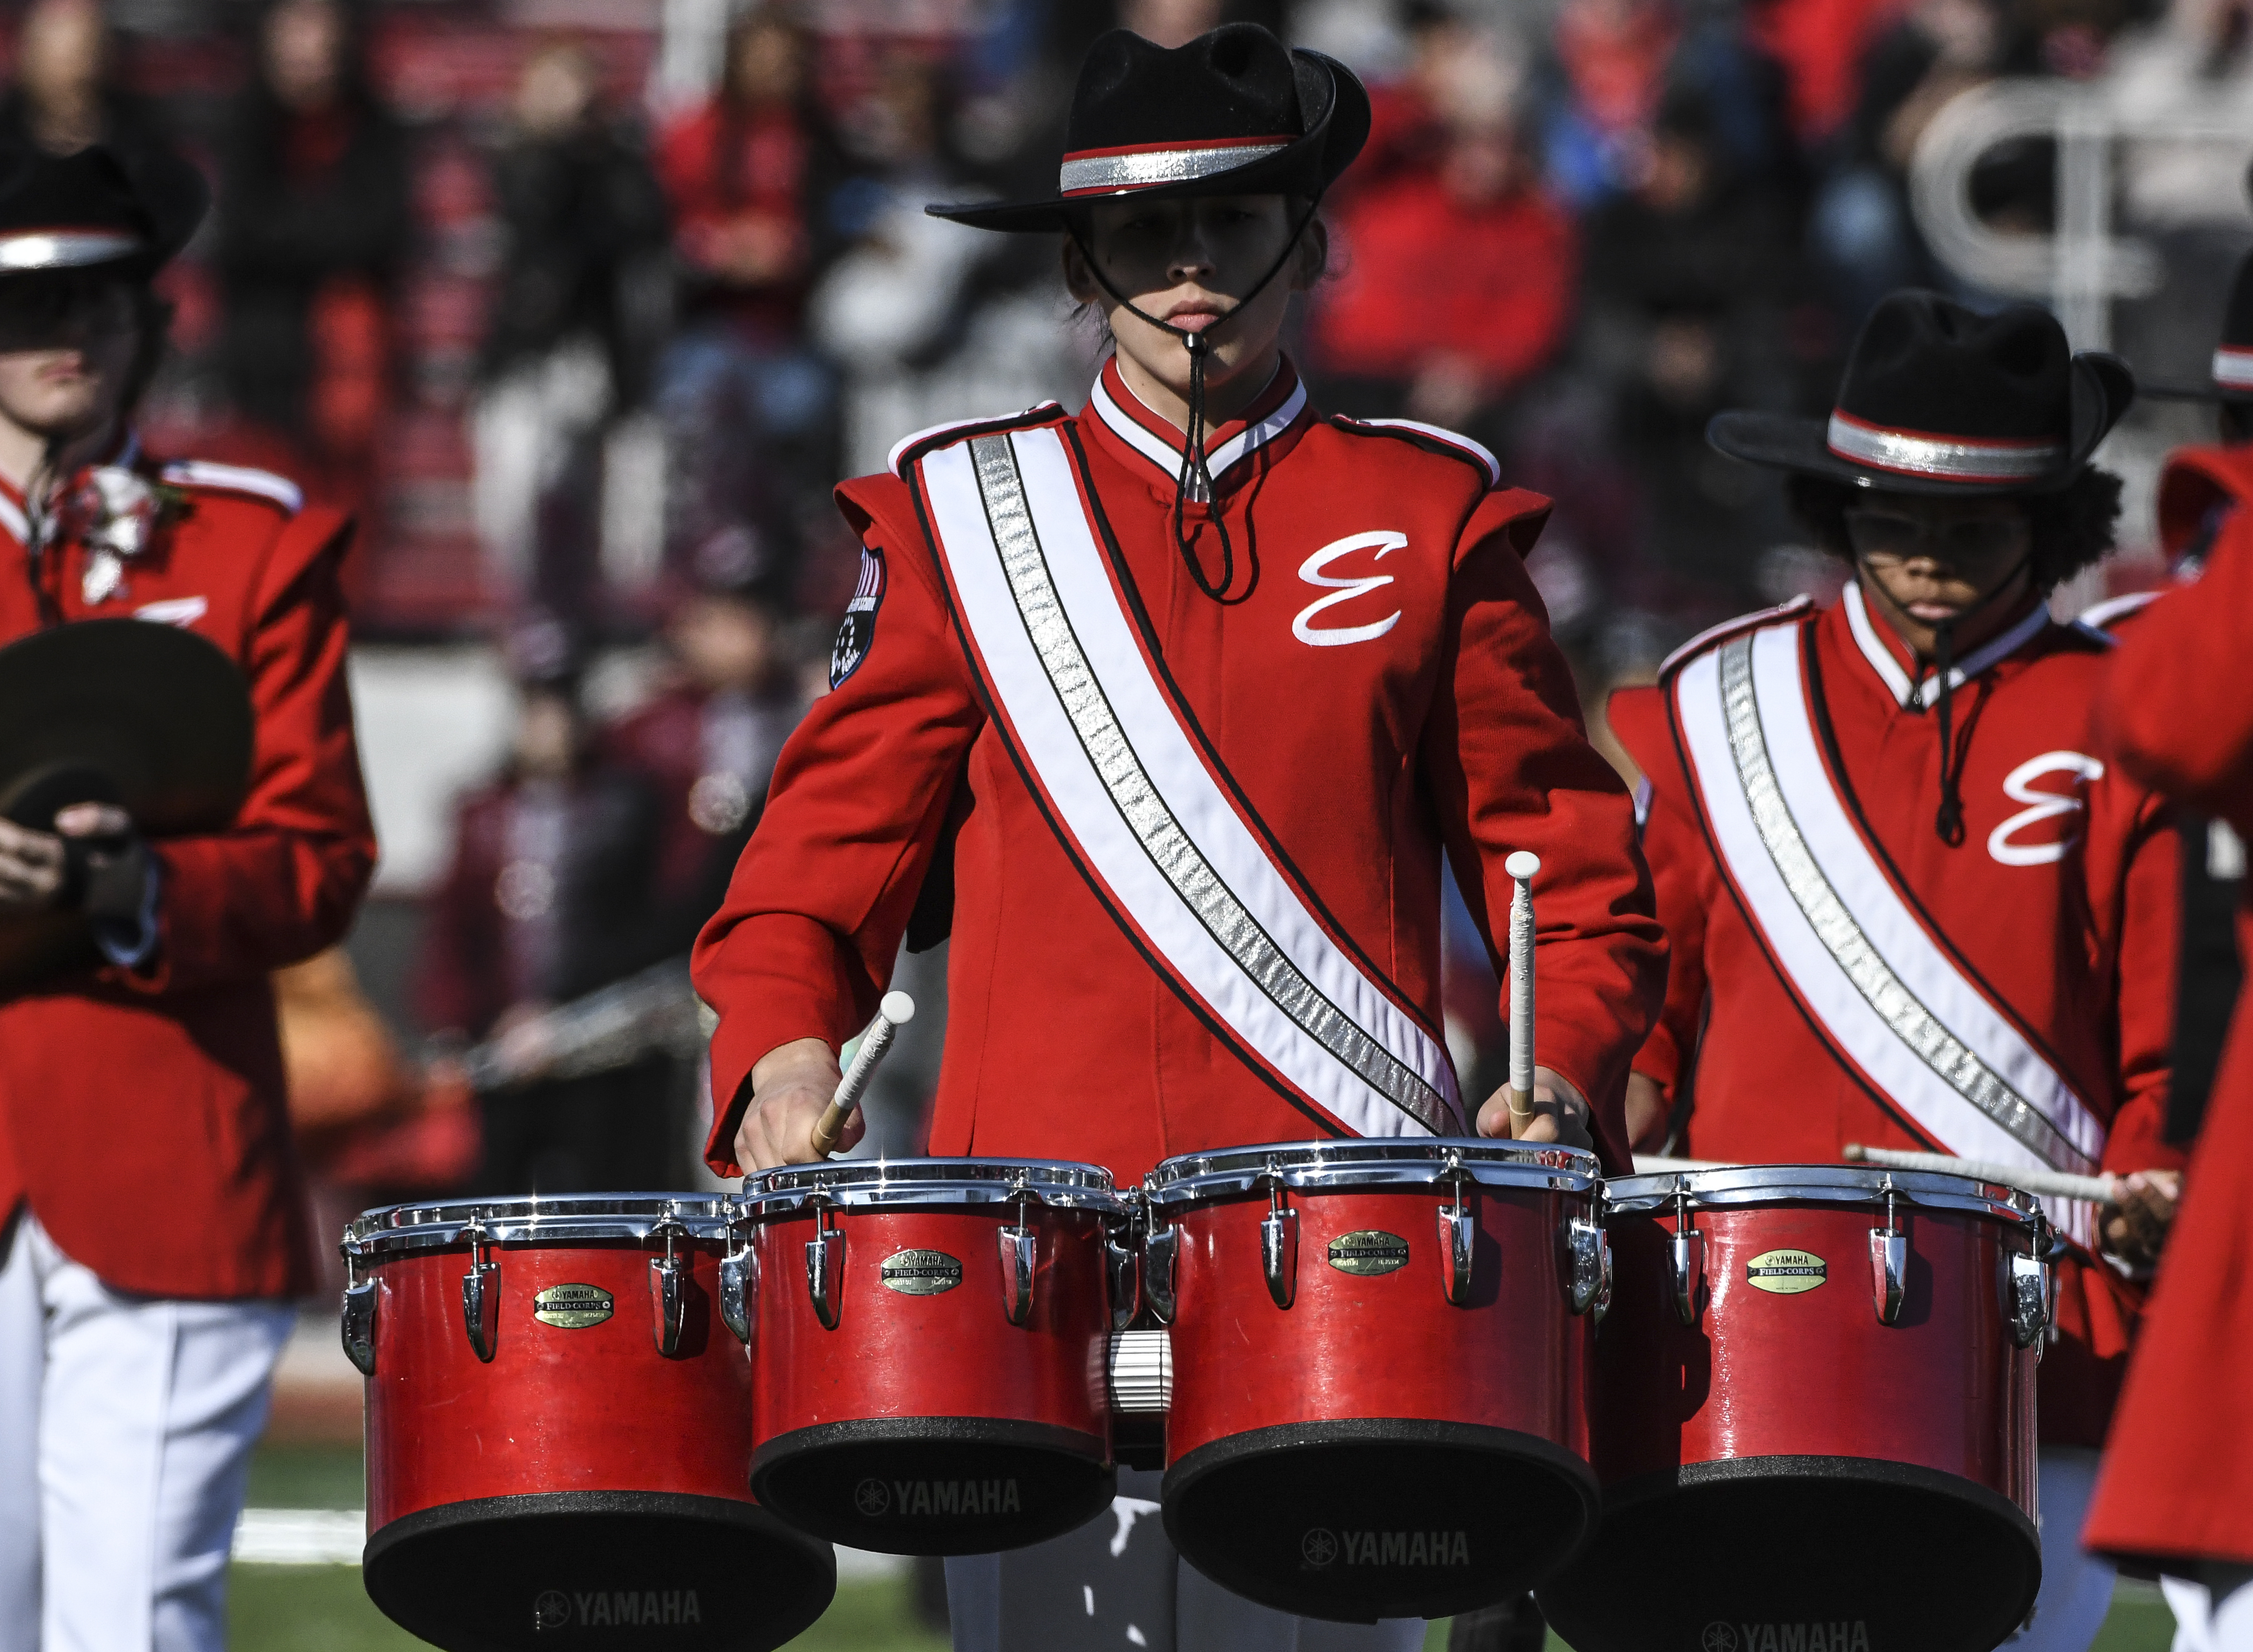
1948 821
38 517
1195 479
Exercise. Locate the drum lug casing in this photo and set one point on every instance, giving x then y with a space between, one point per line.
1162 1246
1279 1246
2028 1280
357 1321
1458 1237
1685 1262
825 1269
1121 1285
668 1296
1888 1264
1020 1256
738 1290
1590 1248
481 1300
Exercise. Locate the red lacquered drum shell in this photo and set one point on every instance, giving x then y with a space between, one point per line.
1375 1449
1788 1458
906 1412
581 1482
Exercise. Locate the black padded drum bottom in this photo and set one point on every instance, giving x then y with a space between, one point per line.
638 1572
1825 1554
935 1485
1378 1518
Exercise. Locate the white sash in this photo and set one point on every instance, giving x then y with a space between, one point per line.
1885 993
1135 806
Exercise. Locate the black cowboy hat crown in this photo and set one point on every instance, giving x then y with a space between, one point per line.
1941 399
96 208
1232 113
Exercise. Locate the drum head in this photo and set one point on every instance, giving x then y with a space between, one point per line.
649 1572
1869 1555
1378 1518
935 1485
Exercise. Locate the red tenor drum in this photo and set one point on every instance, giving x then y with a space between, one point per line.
558 1431
928 1349
1377 1348
1813 1413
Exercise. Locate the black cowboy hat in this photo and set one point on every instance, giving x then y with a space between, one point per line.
78 211
1939 399
1232 113
2232 368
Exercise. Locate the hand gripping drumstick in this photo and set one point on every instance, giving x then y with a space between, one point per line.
894 1013
1521 866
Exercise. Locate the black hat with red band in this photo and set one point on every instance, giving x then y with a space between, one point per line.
91 210
1941 399
1232 113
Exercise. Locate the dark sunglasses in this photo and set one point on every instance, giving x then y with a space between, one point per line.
1884 536
51 311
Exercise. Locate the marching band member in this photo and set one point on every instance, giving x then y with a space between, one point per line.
1909 903
2177 1486
1169 711
134 1358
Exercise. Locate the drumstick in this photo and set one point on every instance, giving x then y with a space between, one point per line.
1521 866
2053 1184
894 1013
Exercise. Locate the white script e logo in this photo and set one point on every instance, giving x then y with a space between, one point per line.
1345 590
2019 786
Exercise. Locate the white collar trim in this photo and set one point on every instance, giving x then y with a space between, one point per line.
1167 456
20 526
1924 693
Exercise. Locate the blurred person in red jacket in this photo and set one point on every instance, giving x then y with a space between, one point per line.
1457 277
134 1358
545 899
747 407
1909 905
2178 1477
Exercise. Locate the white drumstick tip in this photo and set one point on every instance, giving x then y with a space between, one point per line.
897 1008
1522 864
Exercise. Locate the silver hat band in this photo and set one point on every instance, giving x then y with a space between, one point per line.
65 249
2233 369
1958 458
1093 174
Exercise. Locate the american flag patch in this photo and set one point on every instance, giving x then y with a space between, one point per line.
858 633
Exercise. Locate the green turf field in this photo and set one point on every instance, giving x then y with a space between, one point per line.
323 1608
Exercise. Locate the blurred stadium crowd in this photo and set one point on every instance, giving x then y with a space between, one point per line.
584 305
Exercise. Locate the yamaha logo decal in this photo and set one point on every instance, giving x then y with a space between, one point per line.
1321 1547
616 1609
872 1500
572 1307
1371 1251
921 1272
1835 1636
875 1499
552 1610
1785 1273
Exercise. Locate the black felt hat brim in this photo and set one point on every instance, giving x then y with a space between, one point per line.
1305 166
2101 388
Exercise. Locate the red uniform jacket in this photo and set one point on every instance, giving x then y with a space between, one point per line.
2178 713
2079 943
1455 731
168 1080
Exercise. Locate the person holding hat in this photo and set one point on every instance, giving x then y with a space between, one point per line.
137 1334
1309 664
1957 932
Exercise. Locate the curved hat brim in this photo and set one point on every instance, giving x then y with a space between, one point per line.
1306 165
2102 389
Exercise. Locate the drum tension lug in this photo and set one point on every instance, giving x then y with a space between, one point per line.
1889 1261
1686 1257
2027 1286
1278 1243
481 1297
1162 1244
668 1300
1020 1261
737 1289
1458 1236
358 1319
1591 1277
1121 1287
824 1268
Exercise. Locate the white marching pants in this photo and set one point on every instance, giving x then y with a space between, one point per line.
1117 1583
126 1425
2076 1586
2213 1611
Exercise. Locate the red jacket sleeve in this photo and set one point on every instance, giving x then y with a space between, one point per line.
1681 874
2150 920
1511 768
2175 711
806 939
282 883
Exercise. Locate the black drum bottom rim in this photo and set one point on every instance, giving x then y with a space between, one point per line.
935 1485
637 1571
1356 1520
1877 1556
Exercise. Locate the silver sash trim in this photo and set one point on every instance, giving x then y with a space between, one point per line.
1390 1081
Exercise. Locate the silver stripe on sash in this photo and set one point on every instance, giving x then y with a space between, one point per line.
1965 460
1899 1007
1153 167
1170 848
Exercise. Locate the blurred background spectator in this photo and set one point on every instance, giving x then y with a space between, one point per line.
586 305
